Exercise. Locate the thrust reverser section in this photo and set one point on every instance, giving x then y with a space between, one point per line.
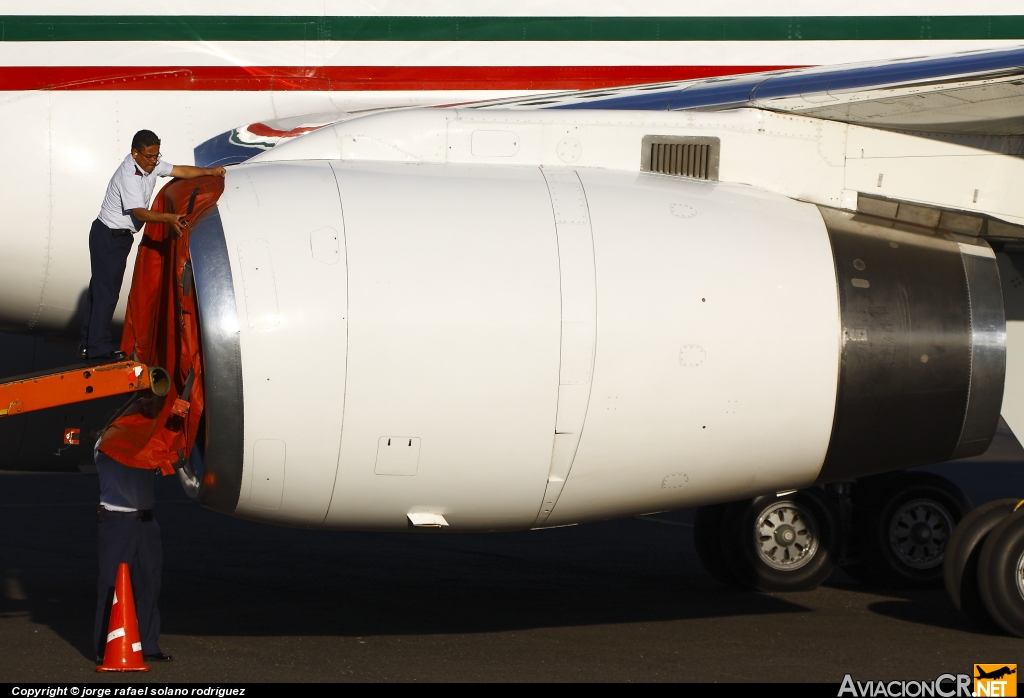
923 346
512 347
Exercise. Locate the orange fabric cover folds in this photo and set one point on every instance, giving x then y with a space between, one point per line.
161 329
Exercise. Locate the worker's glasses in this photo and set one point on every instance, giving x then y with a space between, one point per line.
150 157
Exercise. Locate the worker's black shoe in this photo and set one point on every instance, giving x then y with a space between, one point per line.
159 657
109 358
83 353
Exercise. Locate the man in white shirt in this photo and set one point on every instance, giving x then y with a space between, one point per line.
124 211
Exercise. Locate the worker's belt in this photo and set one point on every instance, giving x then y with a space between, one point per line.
121 232
144 514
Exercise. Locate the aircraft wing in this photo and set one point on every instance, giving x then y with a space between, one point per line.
975 92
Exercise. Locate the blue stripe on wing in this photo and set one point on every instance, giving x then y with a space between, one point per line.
755 89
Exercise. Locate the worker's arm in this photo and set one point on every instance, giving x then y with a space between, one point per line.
171 219
174 219
189 172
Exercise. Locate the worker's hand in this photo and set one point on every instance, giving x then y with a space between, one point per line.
175 221
216 171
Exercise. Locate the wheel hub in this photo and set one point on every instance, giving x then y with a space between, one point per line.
1020 576
786 537
919 532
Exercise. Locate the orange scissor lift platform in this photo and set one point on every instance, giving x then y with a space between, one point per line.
160 329
64 386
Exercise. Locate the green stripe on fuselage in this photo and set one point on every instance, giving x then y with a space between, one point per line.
238 28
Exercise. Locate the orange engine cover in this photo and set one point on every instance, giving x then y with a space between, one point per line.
161 330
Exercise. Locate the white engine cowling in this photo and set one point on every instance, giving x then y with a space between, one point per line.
511 347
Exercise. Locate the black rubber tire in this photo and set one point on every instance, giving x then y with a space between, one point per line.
876 501
1001 554
740 522
963 552
707 539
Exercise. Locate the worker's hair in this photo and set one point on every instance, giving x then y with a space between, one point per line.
143 139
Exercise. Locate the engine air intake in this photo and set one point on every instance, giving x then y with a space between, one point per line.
681 156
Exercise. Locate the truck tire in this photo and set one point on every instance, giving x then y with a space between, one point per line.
960 564
902 524
1001 573
787 543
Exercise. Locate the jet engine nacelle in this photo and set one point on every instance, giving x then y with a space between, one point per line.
497 347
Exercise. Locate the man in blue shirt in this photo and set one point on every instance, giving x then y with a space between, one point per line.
124 211
128 533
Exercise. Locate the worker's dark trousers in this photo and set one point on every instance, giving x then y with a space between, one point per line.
107 257
125 538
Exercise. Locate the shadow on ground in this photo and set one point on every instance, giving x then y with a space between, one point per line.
224 576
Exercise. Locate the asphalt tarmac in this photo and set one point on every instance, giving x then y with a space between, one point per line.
616 601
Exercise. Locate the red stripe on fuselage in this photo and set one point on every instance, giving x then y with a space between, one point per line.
352 78
265 131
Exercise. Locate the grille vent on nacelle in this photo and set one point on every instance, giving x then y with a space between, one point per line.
682 156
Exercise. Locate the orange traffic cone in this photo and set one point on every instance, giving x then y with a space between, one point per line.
124 650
